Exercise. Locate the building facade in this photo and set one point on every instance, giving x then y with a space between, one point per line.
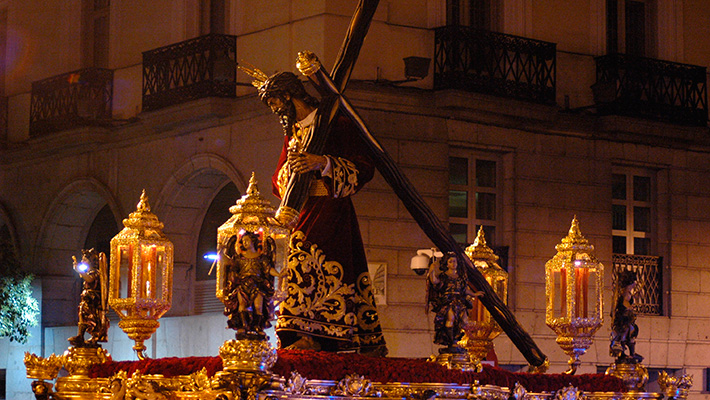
513 115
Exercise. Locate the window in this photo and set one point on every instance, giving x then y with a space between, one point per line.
474 197
212 16
629 25
95 33
477 14
634 236
632 212
102 230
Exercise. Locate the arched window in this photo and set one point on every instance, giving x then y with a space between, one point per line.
102 230
217 214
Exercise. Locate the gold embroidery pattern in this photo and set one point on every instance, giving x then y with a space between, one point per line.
316 292
365 304
344 177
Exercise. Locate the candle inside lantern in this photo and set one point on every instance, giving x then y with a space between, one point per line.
563 292
581 288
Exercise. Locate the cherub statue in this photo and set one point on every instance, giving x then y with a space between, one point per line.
624 329
94 299
250 262
450 298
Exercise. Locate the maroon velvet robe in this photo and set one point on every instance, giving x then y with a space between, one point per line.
328 286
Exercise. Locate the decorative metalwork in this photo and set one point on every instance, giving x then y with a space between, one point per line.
247 355
141 277
648 298
79 98
78 361
675 387
648 88
568 393
42 368
494 63
197 68
634 376
574 279
355 386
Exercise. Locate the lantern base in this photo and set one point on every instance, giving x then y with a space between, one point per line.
139 330
574 347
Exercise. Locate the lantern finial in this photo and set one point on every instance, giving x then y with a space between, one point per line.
143 203
479 250
574 239
253 189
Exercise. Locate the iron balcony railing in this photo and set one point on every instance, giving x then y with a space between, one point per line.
190 70
648 298
654 89
79 98
494 63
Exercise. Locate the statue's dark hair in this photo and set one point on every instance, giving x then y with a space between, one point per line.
626 277
279 84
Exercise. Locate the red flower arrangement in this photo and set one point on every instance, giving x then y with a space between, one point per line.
334 367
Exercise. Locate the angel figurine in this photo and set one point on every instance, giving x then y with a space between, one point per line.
94 299
249 286
450 298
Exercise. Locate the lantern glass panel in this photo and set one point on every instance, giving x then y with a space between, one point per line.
581 292
162 269
559 293
125 272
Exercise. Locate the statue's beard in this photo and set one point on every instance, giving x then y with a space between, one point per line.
287 116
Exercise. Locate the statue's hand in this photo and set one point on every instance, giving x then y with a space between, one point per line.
301 162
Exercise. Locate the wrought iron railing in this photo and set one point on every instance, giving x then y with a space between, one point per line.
648 88
648 298
202 67
78 98
494 63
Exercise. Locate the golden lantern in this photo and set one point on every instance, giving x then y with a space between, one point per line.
573 285
255 214
482 328
141 275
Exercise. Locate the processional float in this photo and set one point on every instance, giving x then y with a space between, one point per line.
141 267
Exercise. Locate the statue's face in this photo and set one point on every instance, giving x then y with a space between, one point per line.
246 242
284 108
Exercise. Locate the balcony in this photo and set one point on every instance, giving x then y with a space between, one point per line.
79 98
648 299
653 89
190 70
494 63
